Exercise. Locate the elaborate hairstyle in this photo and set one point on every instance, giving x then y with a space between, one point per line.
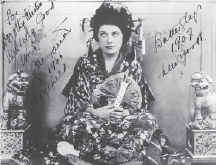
112 13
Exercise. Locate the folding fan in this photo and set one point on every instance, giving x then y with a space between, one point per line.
112 85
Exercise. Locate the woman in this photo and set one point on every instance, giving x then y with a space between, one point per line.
95 129
108 142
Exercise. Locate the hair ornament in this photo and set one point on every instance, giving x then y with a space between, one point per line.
89 46
90 50
116 6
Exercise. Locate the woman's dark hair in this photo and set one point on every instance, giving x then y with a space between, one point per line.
112 14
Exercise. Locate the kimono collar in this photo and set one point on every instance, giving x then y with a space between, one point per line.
101 62
100 57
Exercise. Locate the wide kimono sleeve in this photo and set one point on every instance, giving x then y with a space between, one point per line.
147 94
135 71
79 97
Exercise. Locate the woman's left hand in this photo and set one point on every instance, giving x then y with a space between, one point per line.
119 112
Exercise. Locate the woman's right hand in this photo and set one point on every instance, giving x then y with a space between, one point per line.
102 112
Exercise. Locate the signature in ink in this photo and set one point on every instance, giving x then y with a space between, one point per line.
159 41
183 57
39 88
44 92
41 17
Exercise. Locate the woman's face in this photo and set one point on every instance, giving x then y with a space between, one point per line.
110 39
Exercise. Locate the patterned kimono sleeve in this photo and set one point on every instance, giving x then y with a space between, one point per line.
147 95
79 97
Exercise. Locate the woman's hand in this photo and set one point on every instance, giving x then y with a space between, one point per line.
102 112
119 112
65 148
109 111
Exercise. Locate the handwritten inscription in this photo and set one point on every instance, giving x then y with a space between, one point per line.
40 61
179 57
19 25
159 41
16 40
178 40
9 38
40 90
44 92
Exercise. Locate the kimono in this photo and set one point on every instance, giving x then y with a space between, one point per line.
100 141
111 142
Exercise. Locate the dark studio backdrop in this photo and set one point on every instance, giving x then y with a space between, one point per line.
39 29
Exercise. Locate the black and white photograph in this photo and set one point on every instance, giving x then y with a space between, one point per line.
108 82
